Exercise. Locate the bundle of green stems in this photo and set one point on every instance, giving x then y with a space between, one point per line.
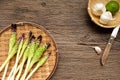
27 50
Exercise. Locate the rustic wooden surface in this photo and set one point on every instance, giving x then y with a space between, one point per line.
70 25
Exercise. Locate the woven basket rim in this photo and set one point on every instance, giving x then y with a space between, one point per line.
47 32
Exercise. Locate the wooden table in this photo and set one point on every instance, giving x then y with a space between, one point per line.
74 32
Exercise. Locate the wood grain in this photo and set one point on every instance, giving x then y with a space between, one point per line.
68 22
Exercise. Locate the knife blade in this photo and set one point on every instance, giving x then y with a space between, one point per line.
108 46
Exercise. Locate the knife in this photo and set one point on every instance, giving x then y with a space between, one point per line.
108 46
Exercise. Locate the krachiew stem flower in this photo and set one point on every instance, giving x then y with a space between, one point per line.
25 57
39 64
12 41
36 46
36 58
25 44
11 54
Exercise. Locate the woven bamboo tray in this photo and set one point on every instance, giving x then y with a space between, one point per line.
44 72
95 19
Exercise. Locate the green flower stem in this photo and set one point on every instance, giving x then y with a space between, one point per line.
39 64
11 54
39 39
25 56
13 37
39 52
12 41
31 53
25 44
16 63
35 58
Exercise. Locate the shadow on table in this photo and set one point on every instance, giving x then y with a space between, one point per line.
96 27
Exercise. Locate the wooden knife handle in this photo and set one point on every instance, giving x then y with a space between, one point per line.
106 51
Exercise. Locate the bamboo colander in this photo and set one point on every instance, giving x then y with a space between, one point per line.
95 19
44 72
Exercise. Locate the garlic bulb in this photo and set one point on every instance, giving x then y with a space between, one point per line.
106 17
98 9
